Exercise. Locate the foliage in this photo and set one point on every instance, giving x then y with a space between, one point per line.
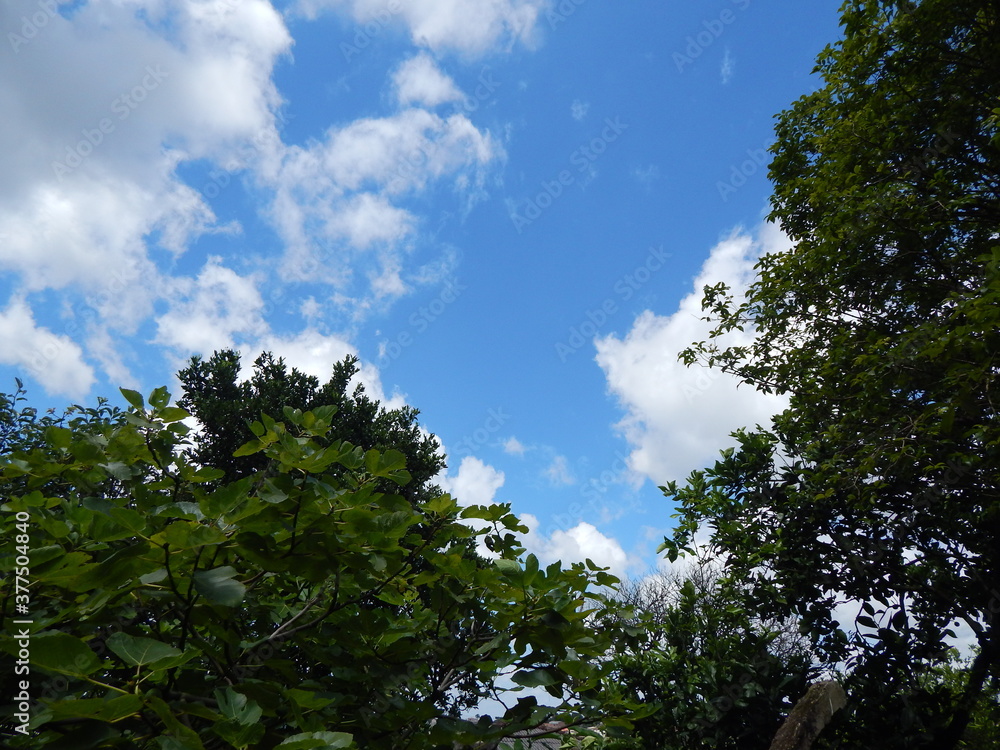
226 407
880 483
951 676
720 677
299 607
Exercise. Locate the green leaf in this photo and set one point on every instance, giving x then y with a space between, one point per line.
441 505
138 651
103 709
172 414
159 398
64 654
318 741
134 398
218 586
237 707
537 677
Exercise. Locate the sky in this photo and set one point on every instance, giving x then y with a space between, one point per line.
507 209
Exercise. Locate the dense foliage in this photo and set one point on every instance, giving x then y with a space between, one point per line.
881 483
226 405
300 606
720 677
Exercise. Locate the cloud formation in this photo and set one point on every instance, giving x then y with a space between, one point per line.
471 28
678 418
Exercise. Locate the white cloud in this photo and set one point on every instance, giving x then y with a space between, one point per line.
726 69
315 353
476 483
577 544
208 312
55 360
334 200
105 105
558 472
470 27
420 81
108 105
578 109
646 175
678 418
514 447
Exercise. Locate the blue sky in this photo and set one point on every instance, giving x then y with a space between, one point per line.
505 208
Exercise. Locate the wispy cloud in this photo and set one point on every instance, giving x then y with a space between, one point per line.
558 472
726 69
514 447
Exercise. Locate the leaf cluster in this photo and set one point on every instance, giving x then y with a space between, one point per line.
301 606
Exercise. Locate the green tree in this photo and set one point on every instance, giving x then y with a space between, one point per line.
719 677
297 607
226 407
881 482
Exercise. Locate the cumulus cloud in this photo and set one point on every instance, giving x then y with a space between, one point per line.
334 200
514 447
470 27
577 544
106 104
678 418
52 359
476 482
111 104
210 311
420 81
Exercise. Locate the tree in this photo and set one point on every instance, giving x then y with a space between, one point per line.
720 677
296 607
226 407
880 483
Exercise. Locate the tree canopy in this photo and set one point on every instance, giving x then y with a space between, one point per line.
880 483
721 677
226 406
300 606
